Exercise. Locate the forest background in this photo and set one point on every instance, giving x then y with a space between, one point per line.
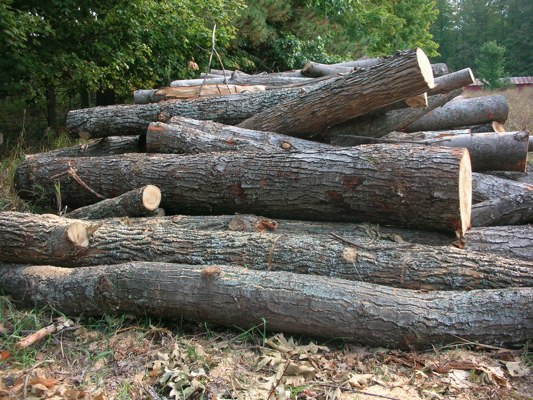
64 54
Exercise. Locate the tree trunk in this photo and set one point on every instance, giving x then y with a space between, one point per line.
142 202
51 108
108 146
268 80
489 187
424 135
516 209
403 265
316 70
105 97
506 241
134 119
192 92
189 136
296 304
378 125
452 81
84 98
425 187
479 110
438 69
340 99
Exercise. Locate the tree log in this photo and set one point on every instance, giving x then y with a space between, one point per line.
425 187
507 241
378 125
189 136
142 202
438 69
403 265
455 80
296 304
340 99
107 146
489 187
424 135
516 209
316 70
268 80
493 126
134 119
478 110
192 92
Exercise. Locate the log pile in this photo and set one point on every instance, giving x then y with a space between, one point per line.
389 239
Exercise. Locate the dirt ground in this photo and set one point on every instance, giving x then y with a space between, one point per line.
126 358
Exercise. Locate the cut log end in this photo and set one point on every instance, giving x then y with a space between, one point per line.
465 191
419 101
151 197
425 67
77 234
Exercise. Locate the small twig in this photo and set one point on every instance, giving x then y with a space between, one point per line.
72 172
27 378
354 391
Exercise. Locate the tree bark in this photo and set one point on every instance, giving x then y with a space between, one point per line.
479 110
316 70
192 92
424 135
403 265
142 202
189 136
268 80
129 120
489 187
452 81
296 304
378 125
108 146
507 241
516 209
438 69
425 187
340 99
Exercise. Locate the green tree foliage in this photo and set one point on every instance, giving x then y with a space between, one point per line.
490 65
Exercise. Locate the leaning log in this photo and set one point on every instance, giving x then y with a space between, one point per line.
134 119
490 187
516 209
475 111
142 202
380 124
107 146
425 187
189 136
404 75
297 304
455 80
403 265
192 92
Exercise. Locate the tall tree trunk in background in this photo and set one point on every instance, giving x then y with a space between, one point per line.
51 102
84 98
105 98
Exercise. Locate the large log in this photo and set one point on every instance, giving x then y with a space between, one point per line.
455 80
192 92
107 146
268 80
508 241
339 99
189 136
425 187
134 119
380 124
478 110
297 304
515 209
135 203
383 262
490 187
314 69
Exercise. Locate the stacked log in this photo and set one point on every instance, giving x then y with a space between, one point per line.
372 242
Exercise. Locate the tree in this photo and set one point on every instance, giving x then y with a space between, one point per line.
490 65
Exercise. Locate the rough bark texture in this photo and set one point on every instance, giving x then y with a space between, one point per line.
189 136
397 78
425 187
424 135
192 92
384 262
455 80
96 148
490 187
438 69
134 119
378 125
479 110
142 202
508 241
297 304
316 70
516 209
268 80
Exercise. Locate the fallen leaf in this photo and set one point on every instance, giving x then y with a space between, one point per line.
41 380
517 369
4 355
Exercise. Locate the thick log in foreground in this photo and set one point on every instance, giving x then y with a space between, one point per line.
339 99
189 136
383 262
490 187
424 187
380 124
293 303
475 111
515 209
134 119
142 202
